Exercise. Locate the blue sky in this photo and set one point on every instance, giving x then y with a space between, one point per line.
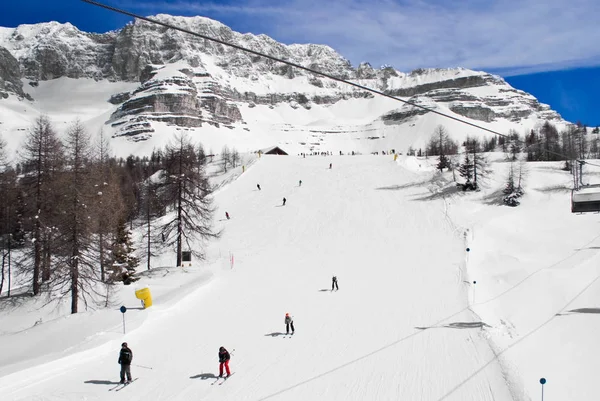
545 47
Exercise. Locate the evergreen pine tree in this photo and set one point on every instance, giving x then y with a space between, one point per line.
510 182
465 170
123 251
443 162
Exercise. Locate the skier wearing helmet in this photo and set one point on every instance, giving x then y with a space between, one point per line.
224 361
125 358
289 324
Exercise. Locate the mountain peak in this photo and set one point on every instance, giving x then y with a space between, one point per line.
192 83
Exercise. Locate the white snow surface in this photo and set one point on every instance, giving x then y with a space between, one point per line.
408 322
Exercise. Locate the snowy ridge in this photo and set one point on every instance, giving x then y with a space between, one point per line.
175 81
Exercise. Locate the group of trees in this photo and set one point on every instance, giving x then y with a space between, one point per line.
545 143
471 167
229 158
574 142
68 207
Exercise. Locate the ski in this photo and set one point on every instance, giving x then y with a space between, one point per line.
125 385
225 378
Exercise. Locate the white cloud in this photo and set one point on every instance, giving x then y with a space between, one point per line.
512 36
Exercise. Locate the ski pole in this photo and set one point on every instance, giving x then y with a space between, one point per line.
140 366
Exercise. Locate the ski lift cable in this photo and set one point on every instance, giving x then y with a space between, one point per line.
292 64
588 163
301 67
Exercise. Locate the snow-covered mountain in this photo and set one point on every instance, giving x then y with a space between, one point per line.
162 80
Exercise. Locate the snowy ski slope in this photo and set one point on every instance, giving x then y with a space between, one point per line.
399 328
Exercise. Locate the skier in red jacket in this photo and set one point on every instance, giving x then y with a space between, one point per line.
224 358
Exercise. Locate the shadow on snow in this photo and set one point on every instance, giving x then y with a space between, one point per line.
105 382
275 334
204 376
580 310
458 325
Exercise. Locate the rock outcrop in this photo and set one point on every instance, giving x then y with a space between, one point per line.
189 81
10 75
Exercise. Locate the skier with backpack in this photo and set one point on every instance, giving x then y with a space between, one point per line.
125 358
289 324
224 358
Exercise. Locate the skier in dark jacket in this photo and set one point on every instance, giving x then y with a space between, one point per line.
224 358
227 215
289 324
125 358
258 186
334 283
284 200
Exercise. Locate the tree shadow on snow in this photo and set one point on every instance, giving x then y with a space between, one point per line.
204 376
275 334
14 301
467 325
495 198
443 193
400 187
580 310
458 325
554 189
105 382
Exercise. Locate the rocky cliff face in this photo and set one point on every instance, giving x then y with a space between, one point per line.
188 81
10 75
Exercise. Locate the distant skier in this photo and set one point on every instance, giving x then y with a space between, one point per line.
227 215
300 183
334 283
289 324
258 186
284 200
224 358
330 166
125 358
